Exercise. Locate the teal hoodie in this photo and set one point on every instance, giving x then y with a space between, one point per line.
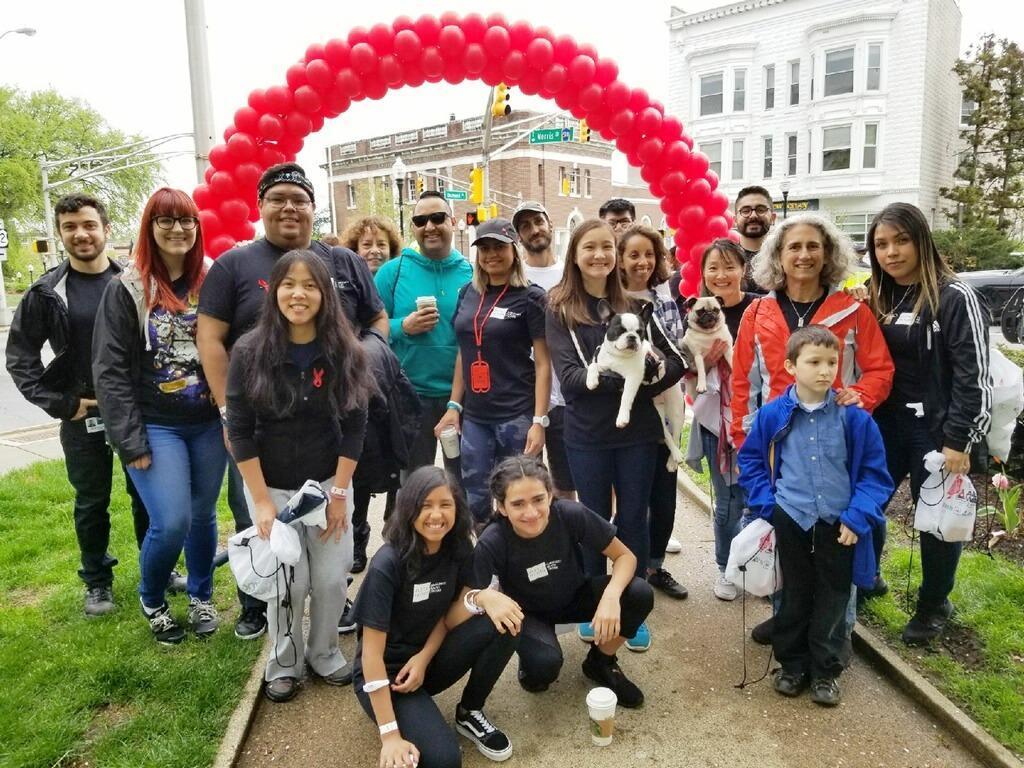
428 358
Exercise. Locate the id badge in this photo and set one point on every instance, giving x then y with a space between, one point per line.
94 424
480 377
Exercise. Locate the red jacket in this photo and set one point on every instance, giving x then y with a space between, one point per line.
758 373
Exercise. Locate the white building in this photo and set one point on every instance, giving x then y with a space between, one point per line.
848 104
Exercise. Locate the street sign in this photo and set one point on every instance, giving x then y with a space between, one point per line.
550 135
456 194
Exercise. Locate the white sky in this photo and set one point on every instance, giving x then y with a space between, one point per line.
128 59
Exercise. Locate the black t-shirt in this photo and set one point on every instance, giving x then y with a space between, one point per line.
303 355
903 337
84 292
407 609
235 288
748 281
794 311
542 574
508 336
172 388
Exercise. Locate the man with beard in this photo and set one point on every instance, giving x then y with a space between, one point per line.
60 308
754 217
532 224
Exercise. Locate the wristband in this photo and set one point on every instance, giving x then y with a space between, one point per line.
388 727
375 685
453 406
223 412
339 493
469 601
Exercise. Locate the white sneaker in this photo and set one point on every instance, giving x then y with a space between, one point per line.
724 589
673 547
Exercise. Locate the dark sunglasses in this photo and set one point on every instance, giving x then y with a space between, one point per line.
437 218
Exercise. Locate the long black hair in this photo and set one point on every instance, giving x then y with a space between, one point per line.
266 346
400 532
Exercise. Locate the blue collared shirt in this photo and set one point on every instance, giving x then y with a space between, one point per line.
814 481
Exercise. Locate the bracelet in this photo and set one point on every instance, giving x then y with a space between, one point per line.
453 406
388 727
375 685
223 412
339 493
469 601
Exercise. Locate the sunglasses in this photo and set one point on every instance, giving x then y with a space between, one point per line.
437 218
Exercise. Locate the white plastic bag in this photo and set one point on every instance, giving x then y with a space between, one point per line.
753 561
1007 403
259 565
947 504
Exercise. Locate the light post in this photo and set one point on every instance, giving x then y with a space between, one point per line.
26 31
785 185
398 174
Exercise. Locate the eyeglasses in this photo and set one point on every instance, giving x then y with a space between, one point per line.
167 222
746 211
299 203
437 218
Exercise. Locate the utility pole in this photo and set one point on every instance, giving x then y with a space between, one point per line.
199 79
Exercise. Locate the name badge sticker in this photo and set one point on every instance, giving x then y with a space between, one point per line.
420 592
905 318
538 571
94 424
498 313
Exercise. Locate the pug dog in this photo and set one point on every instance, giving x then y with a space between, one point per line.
627 351
705 322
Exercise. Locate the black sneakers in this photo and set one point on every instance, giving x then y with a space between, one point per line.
358 561
490 742
166 630
529 685
790 684
202 617
251 624
923 628
281 689
762 633
346 624
662 580
825 691
98 601
604 670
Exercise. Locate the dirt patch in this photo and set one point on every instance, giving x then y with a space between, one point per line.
26 598
105 718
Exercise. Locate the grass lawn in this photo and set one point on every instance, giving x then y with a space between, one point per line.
702 479
100 692
986 675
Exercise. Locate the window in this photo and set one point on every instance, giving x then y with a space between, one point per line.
967 107
588 190
769 87
351 195
791 154
739 90
767 144
348 149
409 137
871 145
574 181
794 83
711 94
835 150
435 132
472 124
439 182
839 72
810 96
855 225
874 67
410 185
568 182
713 152
380 142
737 159
540 175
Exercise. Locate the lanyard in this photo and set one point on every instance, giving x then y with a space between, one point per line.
478 327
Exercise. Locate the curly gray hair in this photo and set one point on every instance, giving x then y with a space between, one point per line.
766 268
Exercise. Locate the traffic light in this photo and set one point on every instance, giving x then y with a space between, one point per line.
500 107
476 186
41 246
584 132
481 213
494 210
565 186
419 186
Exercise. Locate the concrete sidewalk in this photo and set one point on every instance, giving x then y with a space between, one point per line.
694 716
21 447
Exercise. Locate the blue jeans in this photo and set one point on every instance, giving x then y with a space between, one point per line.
628 470
180 490
482 447
729 501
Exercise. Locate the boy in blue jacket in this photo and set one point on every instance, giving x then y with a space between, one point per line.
816 471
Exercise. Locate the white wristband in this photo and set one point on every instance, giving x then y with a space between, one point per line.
388 727
375 685
469 601
339 493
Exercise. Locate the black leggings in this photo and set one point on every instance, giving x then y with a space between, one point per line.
474 646
540 655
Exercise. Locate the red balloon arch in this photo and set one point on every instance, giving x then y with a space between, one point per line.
369 62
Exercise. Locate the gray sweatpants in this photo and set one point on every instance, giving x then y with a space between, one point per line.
320 573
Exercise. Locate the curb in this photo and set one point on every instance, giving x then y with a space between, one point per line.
241 719
910 681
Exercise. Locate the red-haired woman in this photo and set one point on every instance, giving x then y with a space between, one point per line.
157 407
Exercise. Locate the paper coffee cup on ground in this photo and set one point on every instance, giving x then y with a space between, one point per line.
450 443
601 706
426 301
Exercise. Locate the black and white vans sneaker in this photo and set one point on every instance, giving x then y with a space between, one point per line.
202 617
166 630
474 725
346 624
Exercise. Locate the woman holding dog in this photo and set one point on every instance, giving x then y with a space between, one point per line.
936 329
643 263
605 457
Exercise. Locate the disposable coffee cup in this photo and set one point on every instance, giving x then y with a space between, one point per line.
422 302
601 706
450 444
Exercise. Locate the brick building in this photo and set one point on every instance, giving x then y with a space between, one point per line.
442 155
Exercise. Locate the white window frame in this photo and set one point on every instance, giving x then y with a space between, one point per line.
769 86
877 68
380 142
588 189
707 100
837 147
472 124
738 147
872 146
409 137
967 109
705 148
794 83
347 149
410 184
351 187
435 132
768 161
791 154
850 72
439 182
739 90
855 225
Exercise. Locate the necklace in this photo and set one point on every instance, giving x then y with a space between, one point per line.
801 317
889 316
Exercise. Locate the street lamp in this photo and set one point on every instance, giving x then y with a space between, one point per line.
26 31
785 185
398 174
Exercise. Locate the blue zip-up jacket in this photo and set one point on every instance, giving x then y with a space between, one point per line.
870 484
428 358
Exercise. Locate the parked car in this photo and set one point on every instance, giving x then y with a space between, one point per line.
996 286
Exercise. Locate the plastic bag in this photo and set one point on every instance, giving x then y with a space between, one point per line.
258 565
947 504
753 561
1007 403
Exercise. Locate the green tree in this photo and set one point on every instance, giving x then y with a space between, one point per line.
1003 174
47 125
978 245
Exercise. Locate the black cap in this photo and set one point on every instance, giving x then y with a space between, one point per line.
496 229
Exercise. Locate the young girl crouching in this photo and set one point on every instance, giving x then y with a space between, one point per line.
534 547
417 634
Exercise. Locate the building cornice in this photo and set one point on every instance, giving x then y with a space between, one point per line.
707 53
689 20
846 21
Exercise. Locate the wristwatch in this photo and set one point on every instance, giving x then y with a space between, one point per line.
544 421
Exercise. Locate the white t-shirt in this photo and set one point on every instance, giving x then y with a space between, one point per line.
547 278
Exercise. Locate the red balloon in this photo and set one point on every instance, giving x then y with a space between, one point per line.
220 158
408 46
242 231
567 98
337 53
671 204
290 146
687 140
258 101
590 97
247 176
474 59
317 121
677 156
698 166
374 87
649 172
402 22
674 182
712 178
364 58
432 63
616 96
208 174
222 184
454 72
582 70
320 75
492 74
540 54
587 49
218 245
691 218
554 79
229 132
473 27
621 122
358 35
497 42
449 18
296 75
246 119
348 84
650 149
671 129
514 66
626 144
606 73
270 155
335 103
733 235
233 211
279 99
648 122
242 147
254 212
656 190
391 71
697 252
451 41
270 127
598 121
521 33
307 100
382 38
211 224
427 29
497 20
717 227
698 192
529 84
607 134
719 202
202 196
638 99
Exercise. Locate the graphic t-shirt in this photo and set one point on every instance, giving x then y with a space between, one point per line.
84 292
507 348
542 574
172 387
407 609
